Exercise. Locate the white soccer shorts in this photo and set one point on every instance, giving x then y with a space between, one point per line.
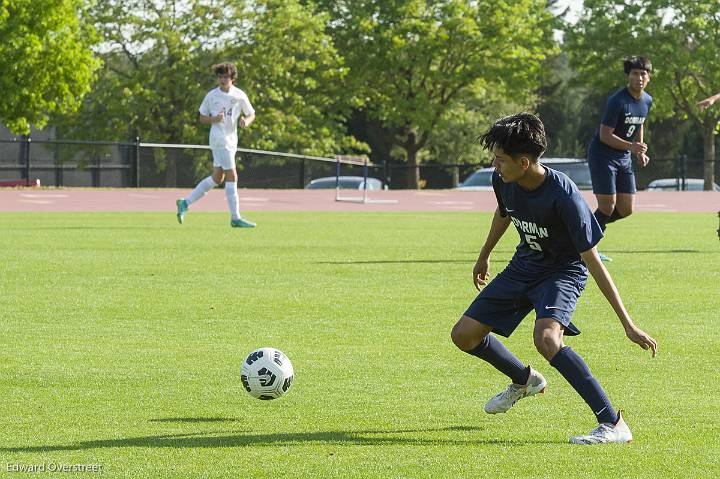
223 158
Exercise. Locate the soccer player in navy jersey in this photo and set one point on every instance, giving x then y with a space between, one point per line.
620 135
558 238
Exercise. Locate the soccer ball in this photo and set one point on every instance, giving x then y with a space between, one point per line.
267 373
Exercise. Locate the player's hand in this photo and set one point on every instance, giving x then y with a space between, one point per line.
220 117
241 122
640 337
644 159
481 276
706 103
638 148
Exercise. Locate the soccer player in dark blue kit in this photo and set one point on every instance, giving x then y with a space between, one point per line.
620 135
558 238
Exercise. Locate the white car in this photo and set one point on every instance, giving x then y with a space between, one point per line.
480 180
576 168
675 184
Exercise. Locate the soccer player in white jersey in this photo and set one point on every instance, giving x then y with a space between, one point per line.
225 108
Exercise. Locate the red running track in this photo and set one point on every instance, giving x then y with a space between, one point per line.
143 199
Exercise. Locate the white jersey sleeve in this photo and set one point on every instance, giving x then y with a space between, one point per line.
205 105
245 105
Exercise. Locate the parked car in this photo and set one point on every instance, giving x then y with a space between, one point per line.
345 183
577 169
480 180
675 184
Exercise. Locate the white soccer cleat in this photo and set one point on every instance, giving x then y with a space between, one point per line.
514 392
606 433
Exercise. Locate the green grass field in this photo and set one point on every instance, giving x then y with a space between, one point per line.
123 335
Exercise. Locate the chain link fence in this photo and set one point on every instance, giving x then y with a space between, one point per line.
139 164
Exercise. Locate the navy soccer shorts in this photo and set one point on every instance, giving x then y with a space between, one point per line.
611 177
511 295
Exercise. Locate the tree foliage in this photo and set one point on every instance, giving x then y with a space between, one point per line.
297 79
46 64
158 57
412 61
681 37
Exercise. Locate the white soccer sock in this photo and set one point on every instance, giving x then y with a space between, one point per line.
200 190
232 199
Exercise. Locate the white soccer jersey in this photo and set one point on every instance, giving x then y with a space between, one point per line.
223 135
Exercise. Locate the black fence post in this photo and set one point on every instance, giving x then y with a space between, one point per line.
683 172
25 157
386 174
95 168
58 165
136 163
302 173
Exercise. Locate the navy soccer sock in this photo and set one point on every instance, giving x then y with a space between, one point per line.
602 218
495 352
614 216
575 371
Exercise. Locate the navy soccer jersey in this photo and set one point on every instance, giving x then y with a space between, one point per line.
625 115
554 222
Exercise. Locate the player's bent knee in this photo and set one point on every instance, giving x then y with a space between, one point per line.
468 333
607 209
547 344
457 337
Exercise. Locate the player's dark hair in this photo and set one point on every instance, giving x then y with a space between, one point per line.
519 134
637 63
225 68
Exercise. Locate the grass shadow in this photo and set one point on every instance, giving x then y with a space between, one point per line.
195 419
412 261
89 228
240 439
671 251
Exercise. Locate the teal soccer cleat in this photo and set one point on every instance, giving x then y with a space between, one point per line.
604 258
242 223
182 208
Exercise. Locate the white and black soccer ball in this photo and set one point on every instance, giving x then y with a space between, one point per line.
267 373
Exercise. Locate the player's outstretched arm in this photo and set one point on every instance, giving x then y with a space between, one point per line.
708 102
602 277
481 271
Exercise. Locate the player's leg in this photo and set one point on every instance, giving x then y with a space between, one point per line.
603 174
625 204
605 203
225 162
548 337
498 308
474 338
557 298
218 175
605 207
231 194
200 190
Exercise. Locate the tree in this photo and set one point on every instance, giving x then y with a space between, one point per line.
681 37
412 61
298 80
158 57
46 64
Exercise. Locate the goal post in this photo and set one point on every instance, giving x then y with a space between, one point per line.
365 163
